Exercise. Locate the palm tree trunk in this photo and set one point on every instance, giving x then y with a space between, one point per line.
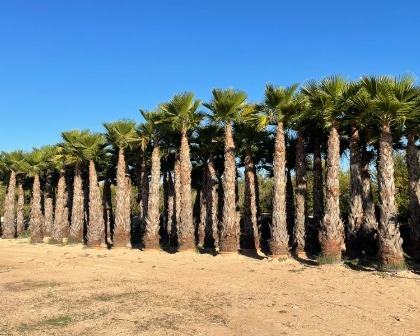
171 199
186 239
151 239
301 214
332 230
36 219
290 205
356 200
370 224
107 208
77 213
211 235
390 242
95 236
202 220
198 228
20 224
279 236
165 218
249 237
48 206
229 238
60 226
9 230
318 192
414 194
122 218
177 201
144 192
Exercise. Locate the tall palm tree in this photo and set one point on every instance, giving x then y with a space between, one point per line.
226 106
49 152
92 150
182 115
151 128
325 98
74 158
36 161
390 103
121 134
12 161
279 106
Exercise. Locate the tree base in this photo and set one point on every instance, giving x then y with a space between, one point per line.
121 239
8 236
228 244
151 243
330 252
185 244
278 249
36 240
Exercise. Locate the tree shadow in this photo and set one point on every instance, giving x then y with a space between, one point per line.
252 254
310 259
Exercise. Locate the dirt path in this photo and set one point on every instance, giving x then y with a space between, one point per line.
70 290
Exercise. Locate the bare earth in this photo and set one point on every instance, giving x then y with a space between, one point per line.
71 290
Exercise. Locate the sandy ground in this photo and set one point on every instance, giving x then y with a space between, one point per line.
71 290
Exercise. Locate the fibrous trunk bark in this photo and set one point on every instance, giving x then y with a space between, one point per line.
20 224
390 242
36 219
202 219
186 240
144 193
229 238
414 194
48 206
290 205
9 229
171 199
107 208
279 236
60 227
301 215
318 192
177 201
332 231
122 218
354 238
151 238
249 237
77 212
211 235
95 236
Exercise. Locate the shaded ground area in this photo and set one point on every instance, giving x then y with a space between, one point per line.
71 290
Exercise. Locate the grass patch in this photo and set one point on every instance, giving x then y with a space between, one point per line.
29 285
25 234
381 274
297 270
328 260
59 321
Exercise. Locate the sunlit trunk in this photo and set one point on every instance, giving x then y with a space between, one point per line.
60 227
20 224
211 234
36 219
77 213
9 229
186 238
48 206
279 236
390 242
96 225
229 238
121 236
331 232
151 238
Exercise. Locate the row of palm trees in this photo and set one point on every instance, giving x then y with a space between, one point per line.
176 141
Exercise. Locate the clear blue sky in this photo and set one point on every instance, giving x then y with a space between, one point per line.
73 64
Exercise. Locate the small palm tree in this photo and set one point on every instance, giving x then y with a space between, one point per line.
226 106
121 134
36 161
182 115
151 129
278 107
12 162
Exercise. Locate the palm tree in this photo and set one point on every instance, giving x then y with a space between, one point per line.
390 103
151 128
49 152
325 98
92 149
12 162
75 158
279 106
181 113
36 161
226 106
121 134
